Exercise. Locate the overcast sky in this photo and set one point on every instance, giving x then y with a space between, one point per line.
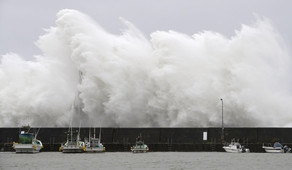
21 22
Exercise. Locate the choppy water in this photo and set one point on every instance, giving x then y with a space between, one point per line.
151 160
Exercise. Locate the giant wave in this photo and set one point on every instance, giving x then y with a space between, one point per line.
127 80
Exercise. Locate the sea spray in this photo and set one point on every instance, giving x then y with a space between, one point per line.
126 80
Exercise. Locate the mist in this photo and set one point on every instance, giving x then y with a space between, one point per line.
86 74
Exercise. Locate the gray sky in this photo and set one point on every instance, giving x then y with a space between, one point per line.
21 22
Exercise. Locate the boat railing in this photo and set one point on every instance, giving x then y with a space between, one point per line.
267 145
233 141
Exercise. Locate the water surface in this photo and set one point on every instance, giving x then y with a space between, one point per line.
151 160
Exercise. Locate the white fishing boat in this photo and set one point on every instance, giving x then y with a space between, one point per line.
235 147
27 142
276 148
93 144
73 143
139 147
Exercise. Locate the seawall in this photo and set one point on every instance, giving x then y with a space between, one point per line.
158 139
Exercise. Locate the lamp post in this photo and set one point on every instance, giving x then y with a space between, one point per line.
222 134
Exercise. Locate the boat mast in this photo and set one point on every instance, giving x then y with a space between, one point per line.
77 98
89 136
29 128
94 133
71 133
99 138
37 133
222 134
78 134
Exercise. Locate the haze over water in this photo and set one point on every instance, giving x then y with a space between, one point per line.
128 80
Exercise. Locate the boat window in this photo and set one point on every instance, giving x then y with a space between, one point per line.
277 144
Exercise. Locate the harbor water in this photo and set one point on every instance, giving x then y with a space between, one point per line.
151 160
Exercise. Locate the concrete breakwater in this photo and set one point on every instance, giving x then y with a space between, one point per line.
159 139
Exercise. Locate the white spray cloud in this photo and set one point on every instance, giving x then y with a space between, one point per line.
172 80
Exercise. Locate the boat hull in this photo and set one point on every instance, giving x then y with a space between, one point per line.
26 148
72 149
231 150
273 150
94 150
139 150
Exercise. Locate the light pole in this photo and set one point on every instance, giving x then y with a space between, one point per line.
222 134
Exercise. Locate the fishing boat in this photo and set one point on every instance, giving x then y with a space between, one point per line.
93 144
276 148
139 147
235 147
73 143
27 142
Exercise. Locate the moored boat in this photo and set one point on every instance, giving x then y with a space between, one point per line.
93 144
73 143
276 148
27 142
140 146
235 147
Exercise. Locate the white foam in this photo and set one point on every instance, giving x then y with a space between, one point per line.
171 80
